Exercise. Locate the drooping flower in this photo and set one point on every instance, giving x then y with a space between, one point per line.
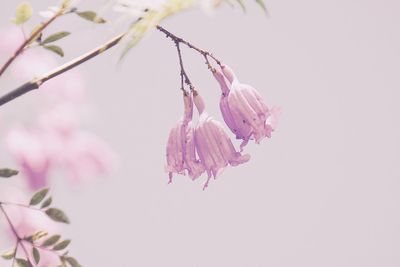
243 108
213 144
181 152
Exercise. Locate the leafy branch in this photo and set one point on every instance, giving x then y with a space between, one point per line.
24 12
33 36
39 241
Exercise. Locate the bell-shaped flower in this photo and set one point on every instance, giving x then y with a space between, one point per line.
213 144
243 108
181 151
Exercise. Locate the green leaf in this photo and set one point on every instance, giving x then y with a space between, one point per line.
23 13
56 49
7 173
8 255
36 255
149 20
36 236
242 5
51 240
73 262
66 3
57 215
229 3
63 262
23 263
38 36
55 37
46 203
38 196
262 5
91 16
62 245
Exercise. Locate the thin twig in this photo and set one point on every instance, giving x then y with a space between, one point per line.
17 236
184 76
15 253
175 38
21 242
20 205
31 38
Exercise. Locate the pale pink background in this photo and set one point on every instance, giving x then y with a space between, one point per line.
324 191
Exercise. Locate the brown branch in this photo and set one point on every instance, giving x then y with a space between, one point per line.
36 83
31 38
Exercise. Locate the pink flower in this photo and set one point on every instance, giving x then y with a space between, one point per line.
213 145
243 108
55 140
83 156
181 152
31 153
57 144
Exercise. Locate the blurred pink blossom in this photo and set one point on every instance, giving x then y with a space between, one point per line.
58 145
54 140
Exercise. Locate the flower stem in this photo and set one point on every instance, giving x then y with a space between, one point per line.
177 39
184 76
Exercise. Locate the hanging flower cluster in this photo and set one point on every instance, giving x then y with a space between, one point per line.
206 147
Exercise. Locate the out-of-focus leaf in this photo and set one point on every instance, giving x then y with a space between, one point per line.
57 215
7 173
150 19
62 245
229 2
36 255
46 203
36 236
63 261
55 48
242 5
66 3
262 4
91 16
38 196
23 13
8 255
51 240
38 36
55 37
23 263
73 262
